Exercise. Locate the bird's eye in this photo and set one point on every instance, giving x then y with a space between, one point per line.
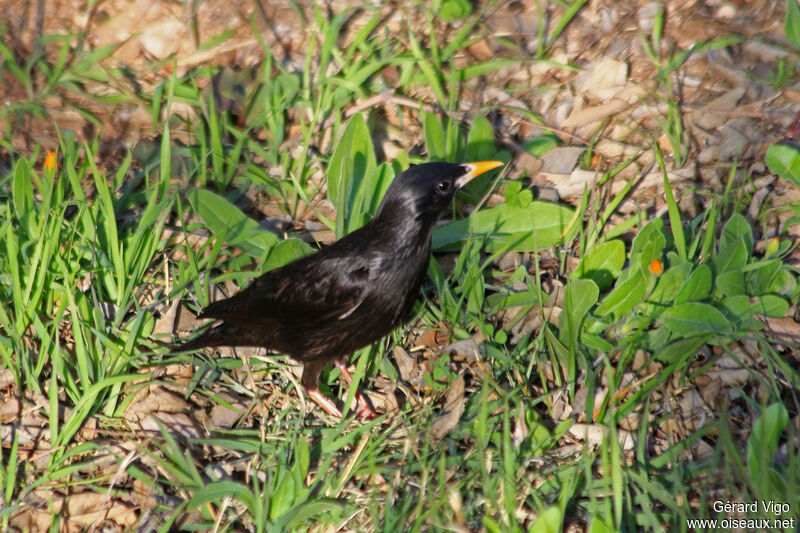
443 187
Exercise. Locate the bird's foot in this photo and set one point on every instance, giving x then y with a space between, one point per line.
324 402
364 409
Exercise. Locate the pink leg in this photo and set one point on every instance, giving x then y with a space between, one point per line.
364 409
323 401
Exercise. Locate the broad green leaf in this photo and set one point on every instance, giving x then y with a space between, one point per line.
225 219
680 350
783 158
379 181
624 296
596 342
736 230
761 448
670 283
549 521
217 491
580 295
352 160
647 246
480 143
695 318
490 525
784 283
515 194
737 307
598 525
282 496
696 287
23 194
304 512
454 10
504 300
771 306
733 256
675 223
792 23
507 227
657 339
731 283
302 460
760 278
475 289
652 232
602 264
434 137
285 252
538 146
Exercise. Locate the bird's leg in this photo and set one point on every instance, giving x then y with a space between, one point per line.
364 409
323 401
310 382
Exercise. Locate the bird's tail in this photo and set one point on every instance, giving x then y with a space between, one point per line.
221 335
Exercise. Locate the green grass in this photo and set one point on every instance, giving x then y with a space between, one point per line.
85 280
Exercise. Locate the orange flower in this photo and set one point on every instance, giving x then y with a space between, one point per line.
656 267
50 162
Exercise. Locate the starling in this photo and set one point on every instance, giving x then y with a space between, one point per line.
322 307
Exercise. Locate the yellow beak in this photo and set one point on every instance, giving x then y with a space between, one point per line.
476 169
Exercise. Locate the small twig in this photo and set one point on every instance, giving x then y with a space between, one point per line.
385 97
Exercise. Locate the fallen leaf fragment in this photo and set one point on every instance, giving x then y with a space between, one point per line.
452 410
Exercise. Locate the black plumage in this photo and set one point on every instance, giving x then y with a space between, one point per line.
321 308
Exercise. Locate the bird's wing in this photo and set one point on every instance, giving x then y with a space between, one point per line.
315 288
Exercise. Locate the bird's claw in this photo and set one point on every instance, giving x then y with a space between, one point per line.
364 409
324 402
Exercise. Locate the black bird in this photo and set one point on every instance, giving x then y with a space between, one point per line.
321 308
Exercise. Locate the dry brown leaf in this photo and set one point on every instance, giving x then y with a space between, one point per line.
481 50
571 186
521 430
567 450
177 423
715 113
187 321
466 350
155 398
595 434
6 378
561 160
10 409
588 116
452 410
531 322
702 451
408 367
620 150
456 504
166 322
560 407
782 329
162 39
77 512
224 417
730 372
604 80
693 411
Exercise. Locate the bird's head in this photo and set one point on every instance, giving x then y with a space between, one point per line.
423 192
